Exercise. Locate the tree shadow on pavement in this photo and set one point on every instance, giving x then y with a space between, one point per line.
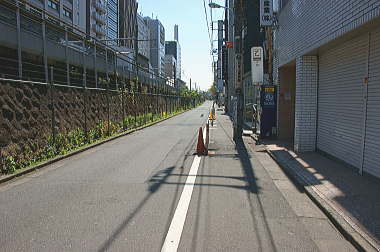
152 189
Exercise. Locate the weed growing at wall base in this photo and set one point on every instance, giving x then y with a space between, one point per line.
64 143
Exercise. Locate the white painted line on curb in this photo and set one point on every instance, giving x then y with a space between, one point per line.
173 237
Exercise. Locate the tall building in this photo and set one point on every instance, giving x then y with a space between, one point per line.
143 37
176 33
53 34
96 20
112 21
68 10
174 48
170 67
127 21
157 45
103 19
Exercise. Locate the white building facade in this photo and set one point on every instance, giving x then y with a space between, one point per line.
327 67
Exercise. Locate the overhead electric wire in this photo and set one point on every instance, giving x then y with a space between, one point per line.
207 23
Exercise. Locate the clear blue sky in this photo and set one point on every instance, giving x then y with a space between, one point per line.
193 35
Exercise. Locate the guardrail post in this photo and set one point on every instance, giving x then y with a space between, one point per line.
135 107
166 103
151 102
85 104
123 103
67 57
44 50
95 67
108 107
52 104
19 54
144 107
158 110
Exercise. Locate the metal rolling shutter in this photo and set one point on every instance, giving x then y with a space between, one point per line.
340 100
372 139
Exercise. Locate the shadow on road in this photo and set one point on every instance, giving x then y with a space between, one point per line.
251 188
155 183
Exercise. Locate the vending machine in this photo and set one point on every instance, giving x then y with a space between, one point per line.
268 111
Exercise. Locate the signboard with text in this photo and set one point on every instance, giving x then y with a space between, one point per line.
266 12
257 65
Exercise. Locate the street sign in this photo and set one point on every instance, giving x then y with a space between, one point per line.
257 64
266 12
220 86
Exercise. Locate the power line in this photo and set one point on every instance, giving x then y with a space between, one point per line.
207 23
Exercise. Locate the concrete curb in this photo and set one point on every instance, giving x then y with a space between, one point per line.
59 158
358 238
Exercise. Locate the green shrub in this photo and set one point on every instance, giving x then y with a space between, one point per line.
10 165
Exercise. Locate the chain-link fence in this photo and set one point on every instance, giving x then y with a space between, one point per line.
41 120
61 89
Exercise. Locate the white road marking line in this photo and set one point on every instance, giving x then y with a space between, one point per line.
173 237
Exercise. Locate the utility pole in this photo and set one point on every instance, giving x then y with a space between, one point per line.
238 129
219 81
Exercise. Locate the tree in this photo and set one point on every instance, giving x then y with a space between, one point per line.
212 90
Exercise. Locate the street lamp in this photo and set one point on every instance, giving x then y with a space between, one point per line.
217 6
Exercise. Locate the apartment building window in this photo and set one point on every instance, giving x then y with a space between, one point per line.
67 13
35 11
53 4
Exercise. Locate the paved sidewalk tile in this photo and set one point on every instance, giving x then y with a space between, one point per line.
355 198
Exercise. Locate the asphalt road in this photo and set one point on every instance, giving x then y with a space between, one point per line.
122 195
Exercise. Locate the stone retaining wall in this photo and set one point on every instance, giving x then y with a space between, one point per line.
27 112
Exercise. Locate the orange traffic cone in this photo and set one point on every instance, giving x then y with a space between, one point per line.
201 150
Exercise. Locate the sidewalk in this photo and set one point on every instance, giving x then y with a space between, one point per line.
350 200
243 201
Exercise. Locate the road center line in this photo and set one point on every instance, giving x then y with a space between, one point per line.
173 236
